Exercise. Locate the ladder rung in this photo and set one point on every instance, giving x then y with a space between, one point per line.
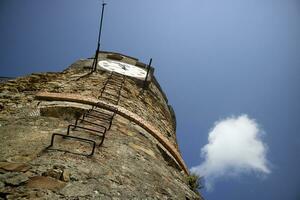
109 99
107 114
86 121
75 138
116 95
84 128
113 80
110 86
97 117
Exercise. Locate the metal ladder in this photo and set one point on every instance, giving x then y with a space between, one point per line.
99 121
112 88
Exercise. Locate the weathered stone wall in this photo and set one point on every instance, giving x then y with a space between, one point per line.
150 104
131 164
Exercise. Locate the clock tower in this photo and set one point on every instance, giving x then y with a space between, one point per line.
109 134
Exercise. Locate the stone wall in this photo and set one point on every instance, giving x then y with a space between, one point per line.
131 164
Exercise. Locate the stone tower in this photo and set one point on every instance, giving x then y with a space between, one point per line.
80 135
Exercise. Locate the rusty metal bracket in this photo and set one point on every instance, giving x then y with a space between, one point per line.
88 129
75 138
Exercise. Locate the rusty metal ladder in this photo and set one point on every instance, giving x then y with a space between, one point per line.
99 120
112 88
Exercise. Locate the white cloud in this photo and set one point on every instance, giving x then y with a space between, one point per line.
234 148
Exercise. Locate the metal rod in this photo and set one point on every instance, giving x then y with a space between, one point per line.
87 115
93 123
149 67
94 110
101 22
98 116
88 129
104 97
111 94
99 40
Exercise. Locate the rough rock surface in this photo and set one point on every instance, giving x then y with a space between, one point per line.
131 164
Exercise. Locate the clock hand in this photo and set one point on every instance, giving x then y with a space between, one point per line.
123 66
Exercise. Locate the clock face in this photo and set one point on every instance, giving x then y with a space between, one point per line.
123 68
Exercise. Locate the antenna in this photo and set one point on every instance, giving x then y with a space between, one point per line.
94 65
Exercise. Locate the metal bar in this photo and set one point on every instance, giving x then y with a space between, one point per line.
112 87
116 79
110 123
100 112
116 76
106 122
148 70
115 95
76 122
81 127
115 83
110 90
95 117
112 79
98 116
101 23
105 115
103 137
94 64
99 38
120 91
73 137
109 99
83 120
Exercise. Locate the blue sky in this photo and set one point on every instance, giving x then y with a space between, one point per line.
215 59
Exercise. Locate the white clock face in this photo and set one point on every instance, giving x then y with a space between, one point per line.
123 68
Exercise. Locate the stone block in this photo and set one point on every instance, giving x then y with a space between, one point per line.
15 167
42 182
13 178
